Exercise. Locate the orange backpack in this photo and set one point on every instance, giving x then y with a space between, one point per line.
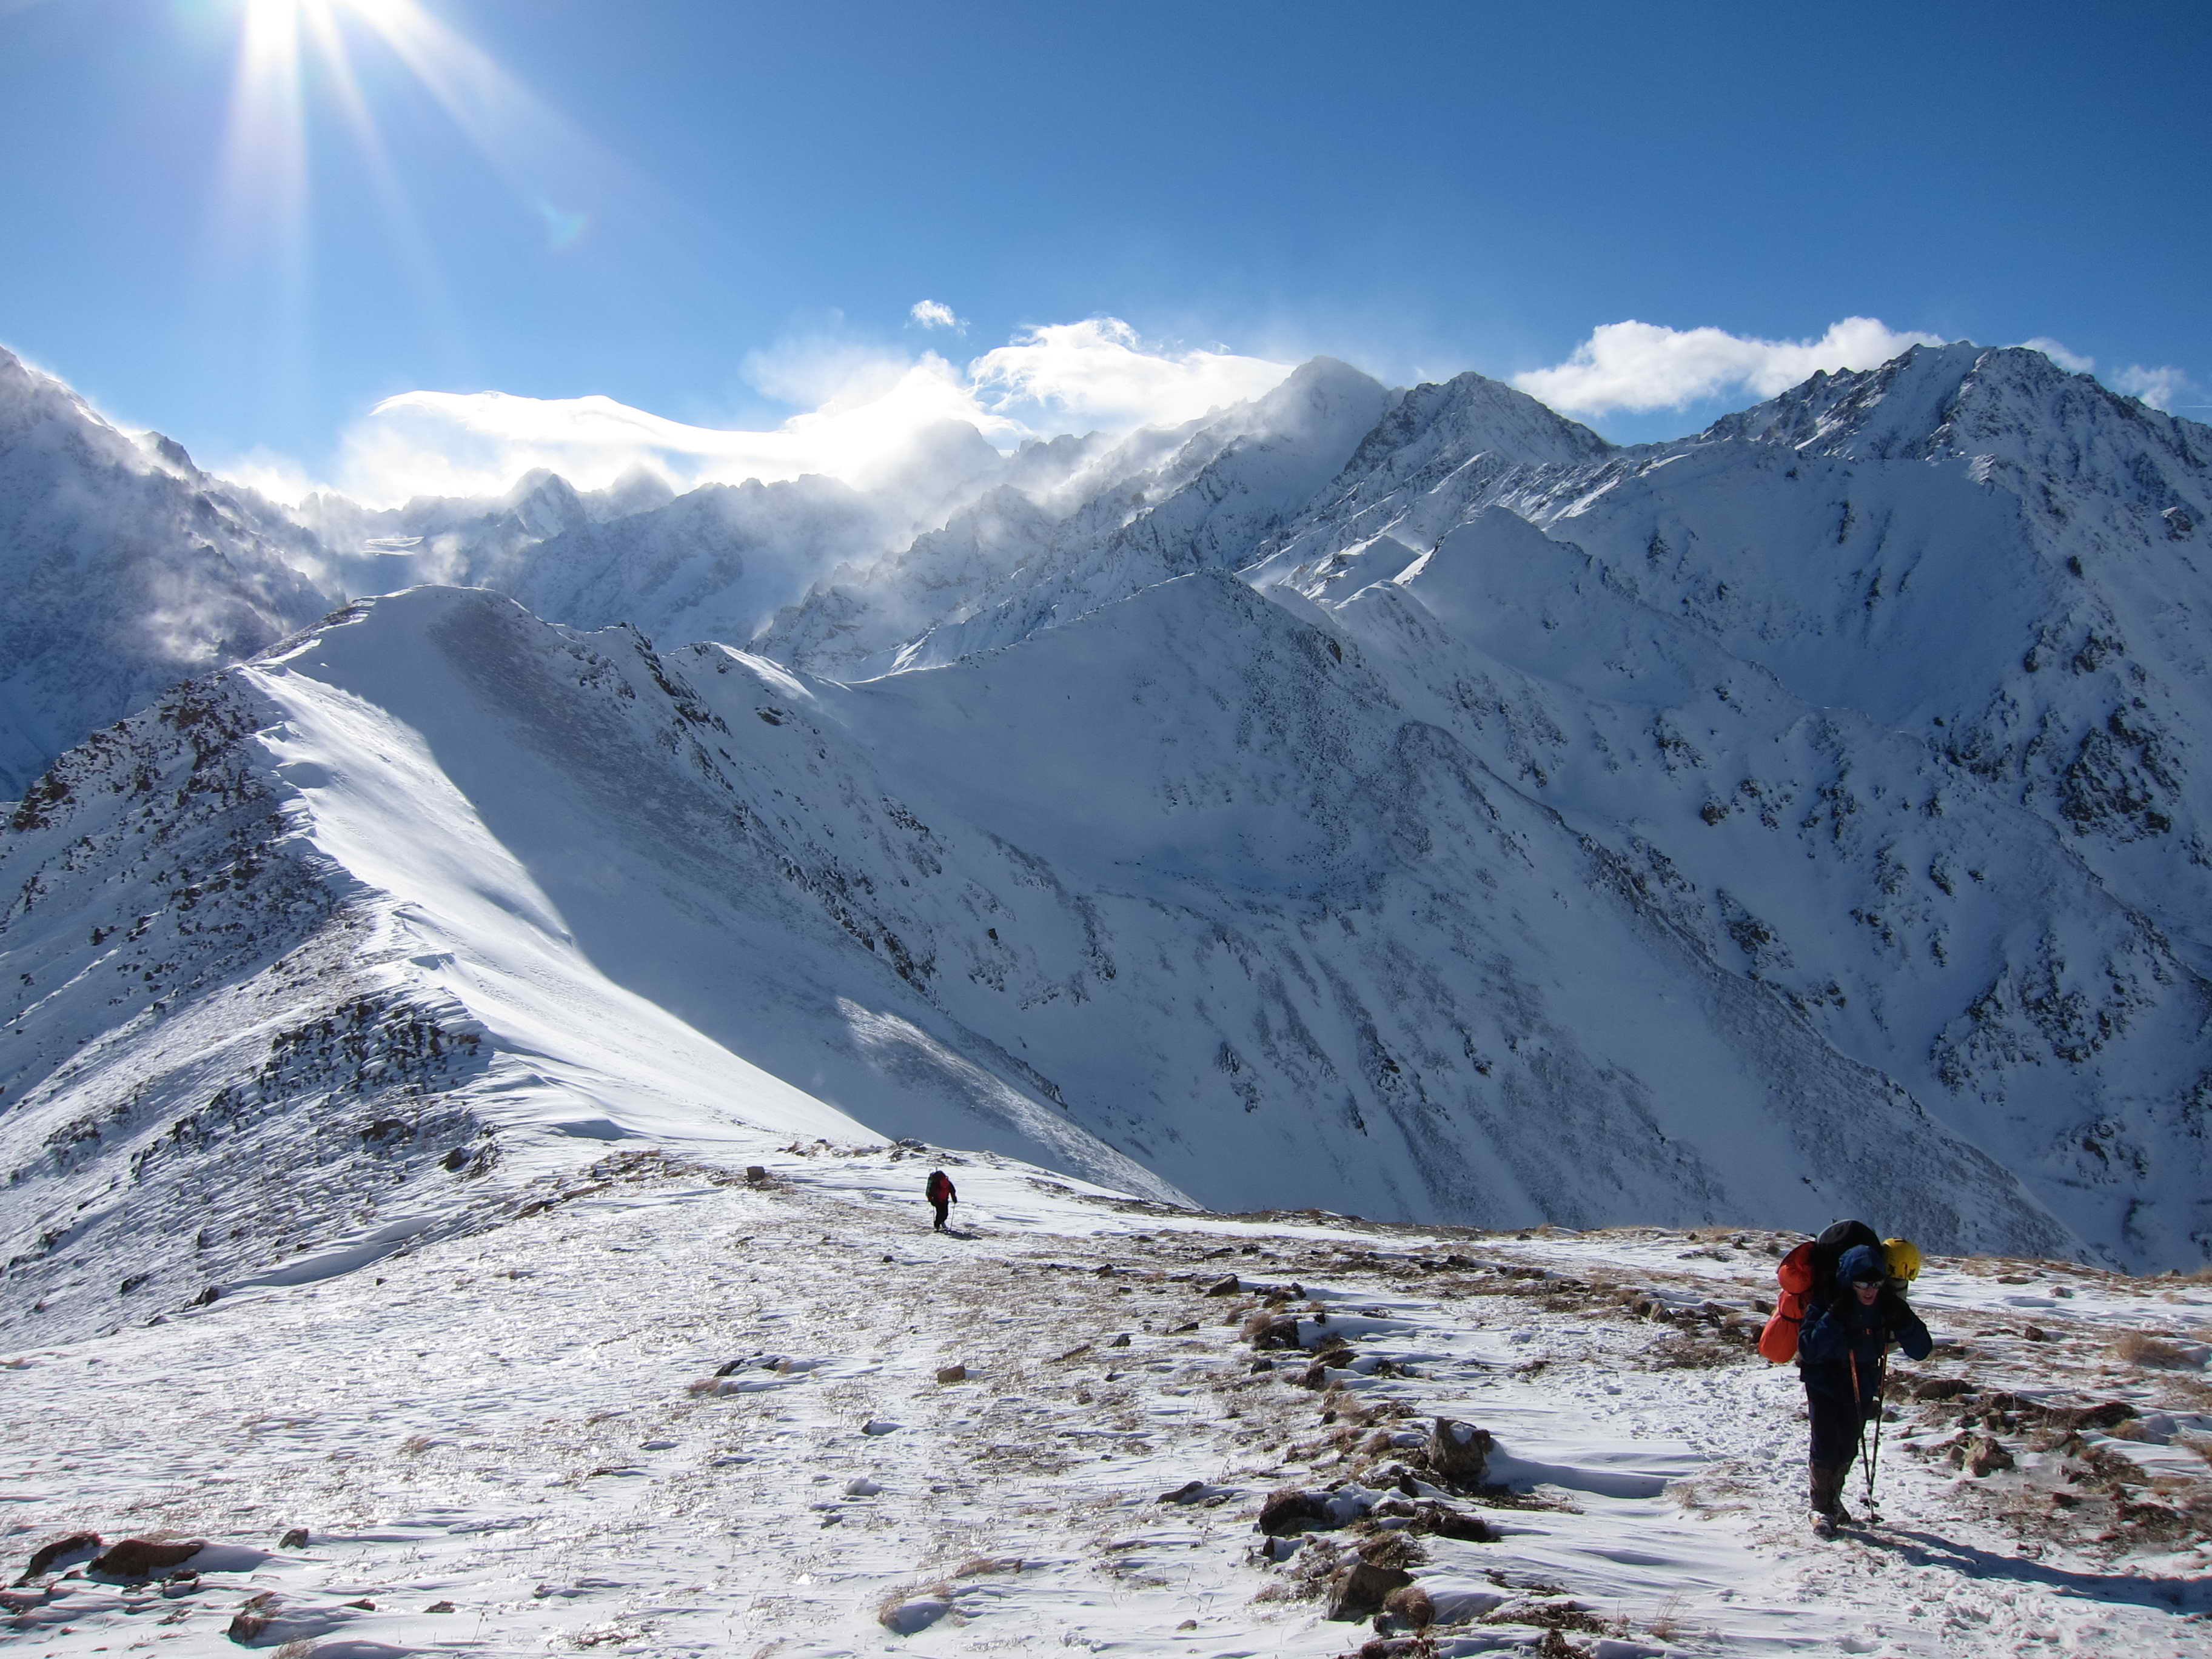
1778 1341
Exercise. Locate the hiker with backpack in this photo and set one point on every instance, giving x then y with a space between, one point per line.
1843 1305
939 1191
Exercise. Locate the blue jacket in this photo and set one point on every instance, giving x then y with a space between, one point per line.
1841 1345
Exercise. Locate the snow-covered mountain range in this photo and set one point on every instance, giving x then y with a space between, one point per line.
1401 802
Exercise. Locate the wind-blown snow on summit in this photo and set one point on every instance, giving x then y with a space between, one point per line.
127 570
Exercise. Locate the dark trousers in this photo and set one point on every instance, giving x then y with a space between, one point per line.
1837 1419
942 1205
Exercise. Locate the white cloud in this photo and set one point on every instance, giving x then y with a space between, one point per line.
861 406
933 313
1099 373
2072 361
2161 387
1640 366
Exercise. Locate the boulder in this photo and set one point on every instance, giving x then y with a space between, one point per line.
953 1373
1225 1286
74 1543
142 1558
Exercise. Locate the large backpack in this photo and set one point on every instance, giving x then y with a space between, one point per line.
939 1188
1807 1278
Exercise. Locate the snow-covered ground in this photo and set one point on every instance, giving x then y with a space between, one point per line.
664 1409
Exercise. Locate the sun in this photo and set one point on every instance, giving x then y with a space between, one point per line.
537 157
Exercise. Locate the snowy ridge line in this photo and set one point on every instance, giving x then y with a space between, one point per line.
958 1451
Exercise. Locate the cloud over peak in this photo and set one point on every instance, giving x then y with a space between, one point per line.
1633 365
860 406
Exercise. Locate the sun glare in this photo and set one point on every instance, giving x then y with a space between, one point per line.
293 54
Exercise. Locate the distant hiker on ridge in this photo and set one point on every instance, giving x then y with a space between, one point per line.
1842 1347
939 1193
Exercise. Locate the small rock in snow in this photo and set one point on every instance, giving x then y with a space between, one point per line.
1460 1452
1189 1492
1292 1511
1227 1284
295 1539
905 1617
953 1373
439 1606
860 1486
1121 1341
880 1425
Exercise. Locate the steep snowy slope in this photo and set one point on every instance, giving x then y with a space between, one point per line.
125 569
1944 622
280 976
1848 866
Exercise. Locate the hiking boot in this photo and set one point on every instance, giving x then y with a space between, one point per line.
1826 1484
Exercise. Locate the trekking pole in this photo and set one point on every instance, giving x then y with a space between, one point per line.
1881 1378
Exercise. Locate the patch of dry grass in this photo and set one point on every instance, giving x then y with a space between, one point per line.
2142 1348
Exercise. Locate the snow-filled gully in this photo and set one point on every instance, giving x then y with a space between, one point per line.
679 1412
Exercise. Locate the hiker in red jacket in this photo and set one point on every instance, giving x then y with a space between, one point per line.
939 1193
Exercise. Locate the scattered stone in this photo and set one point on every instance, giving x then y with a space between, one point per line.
1180 1330
880 1425
2035 1333
1292 1511
1442 1519
294 1540
439 1606
756 1174
1459 1452
1984 1455
1121 1341
255 1616
953 1373
364 1604
2109 1414
53 1549
1225 1286
1267 1331
142 1558
860 1486
1189 1492
1361 1588
213 1293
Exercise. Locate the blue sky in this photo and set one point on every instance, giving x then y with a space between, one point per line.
723 213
